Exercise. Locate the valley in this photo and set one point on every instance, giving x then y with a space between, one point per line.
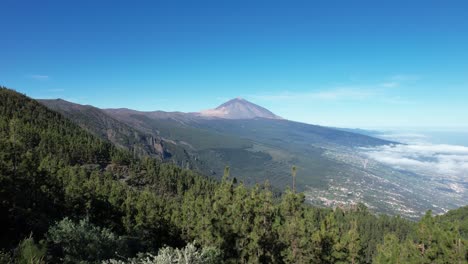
333 167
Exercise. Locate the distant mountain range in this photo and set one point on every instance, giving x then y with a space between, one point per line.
257 145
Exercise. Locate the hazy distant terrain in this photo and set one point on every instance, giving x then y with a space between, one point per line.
335 166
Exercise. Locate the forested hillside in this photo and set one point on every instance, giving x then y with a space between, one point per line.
67 196
106 127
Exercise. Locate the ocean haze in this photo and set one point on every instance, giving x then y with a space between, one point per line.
451 136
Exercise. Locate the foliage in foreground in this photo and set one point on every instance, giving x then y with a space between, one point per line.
71 242
190 254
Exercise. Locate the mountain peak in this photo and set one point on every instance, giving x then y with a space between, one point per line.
239 108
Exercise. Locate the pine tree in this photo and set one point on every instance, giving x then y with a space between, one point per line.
353 244
292 230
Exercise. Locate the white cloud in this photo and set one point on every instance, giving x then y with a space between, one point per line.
39 77
378 91
438 161
390 84
344 93
338 93
405 137
405 77
397 100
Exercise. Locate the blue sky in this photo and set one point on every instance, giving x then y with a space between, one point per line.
339 63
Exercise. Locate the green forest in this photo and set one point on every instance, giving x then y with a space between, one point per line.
67 196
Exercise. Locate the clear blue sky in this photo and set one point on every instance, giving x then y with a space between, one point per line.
339 63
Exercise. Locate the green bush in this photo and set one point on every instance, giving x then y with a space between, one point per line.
82 242
5 258
187 255
29 252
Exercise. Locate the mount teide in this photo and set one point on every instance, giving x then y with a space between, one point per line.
239 108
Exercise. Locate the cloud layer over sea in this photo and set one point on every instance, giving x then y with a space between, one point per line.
447 160
440 162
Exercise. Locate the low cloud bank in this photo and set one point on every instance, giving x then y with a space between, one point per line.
405 137
434 160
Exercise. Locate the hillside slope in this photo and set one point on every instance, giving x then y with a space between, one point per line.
120 134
